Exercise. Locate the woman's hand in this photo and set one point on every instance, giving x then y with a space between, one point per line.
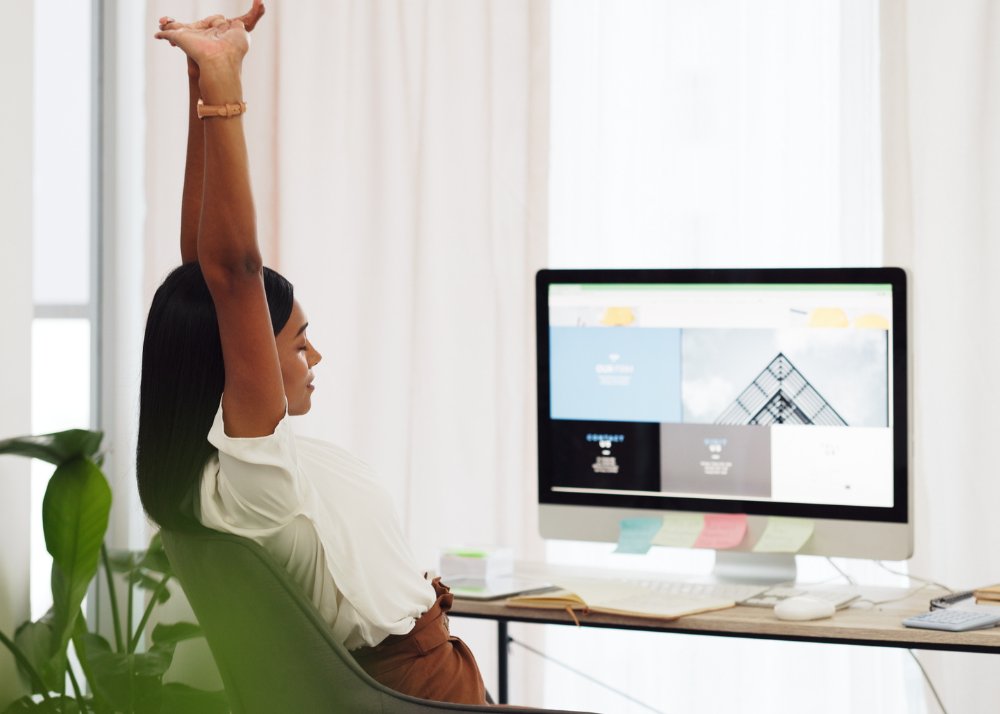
249 20
212 39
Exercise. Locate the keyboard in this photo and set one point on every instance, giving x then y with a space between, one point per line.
725 591
746 593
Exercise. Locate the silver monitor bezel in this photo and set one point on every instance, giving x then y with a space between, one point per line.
849 531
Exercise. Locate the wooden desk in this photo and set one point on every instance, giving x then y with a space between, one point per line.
860 624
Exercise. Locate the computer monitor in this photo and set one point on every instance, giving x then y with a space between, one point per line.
765 392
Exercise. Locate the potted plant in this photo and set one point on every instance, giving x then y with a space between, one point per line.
118 676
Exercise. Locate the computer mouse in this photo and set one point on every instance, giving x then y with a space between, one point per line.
804 607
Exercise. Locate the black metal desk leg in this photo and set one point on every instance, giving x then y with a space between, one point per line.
502 650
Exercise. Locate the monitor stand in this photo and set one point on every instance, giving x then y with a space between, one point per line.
763 568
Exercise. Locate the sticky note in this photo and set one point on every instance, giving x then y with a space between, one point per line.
680 530
722 530
784 535
636 534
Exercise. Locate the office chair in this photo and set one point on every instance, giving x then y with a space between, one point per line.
274 651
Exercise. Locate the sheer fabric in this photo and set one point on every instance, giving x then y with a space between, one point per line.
941 100
717 134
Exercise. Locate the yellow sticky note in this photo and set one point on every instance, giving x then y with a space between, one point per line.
784 535
680 530
618 316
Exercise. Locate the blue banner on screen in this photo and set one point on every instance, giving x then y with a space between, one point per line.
615 374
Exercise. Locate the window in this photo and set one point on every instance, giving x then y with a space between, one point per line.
64 344
722 133
717 133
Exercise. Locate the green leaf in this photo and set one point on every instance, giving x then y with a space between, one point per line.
182 699
57 448
74 518
80 645
24 705
128 681
155 558
97 653
75 515
142 580
65 705
35 641
122 561
155 661
177 632
137 566
23 661
147 582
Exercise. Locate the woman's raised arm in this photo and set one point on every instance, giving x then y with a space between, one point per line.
194 170
194 166
253 400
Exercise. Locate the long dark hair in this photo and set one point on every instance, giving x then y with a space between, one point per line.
182 380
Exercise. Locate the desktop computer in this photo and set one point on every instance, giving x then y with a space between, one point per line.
762 392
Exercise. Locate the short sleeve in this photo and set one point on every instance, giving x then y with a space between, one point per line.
253 485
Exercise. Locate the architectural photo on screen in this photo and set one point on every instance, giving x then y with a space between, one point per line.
825 376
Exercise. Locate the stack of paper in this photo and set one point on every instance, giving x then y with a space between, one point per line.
988 596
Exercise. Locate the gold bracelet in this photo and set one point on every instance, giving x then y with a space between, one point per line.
225 110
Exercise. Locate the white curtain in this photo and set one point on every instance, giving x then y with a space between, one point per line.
398 159
732 133
399 154
735 133
942 127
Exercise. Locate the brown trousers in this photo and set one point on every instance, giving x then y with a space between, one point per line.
427 662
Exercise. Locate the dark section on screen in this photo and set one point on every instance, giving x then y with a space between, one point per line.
631 464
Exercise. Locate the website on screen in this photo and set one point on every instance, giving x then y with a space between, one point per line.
750 392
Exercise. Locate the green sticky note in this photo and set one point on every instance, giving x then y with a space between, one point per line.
784 535
680 530
636 534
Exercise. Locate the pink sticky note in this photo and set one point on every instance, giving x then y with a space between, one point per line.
722 530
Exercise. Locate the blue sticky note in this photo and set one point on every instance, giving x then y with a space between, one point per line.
637 533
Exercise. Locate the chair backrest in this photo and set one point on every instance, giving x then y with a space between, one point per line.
273 649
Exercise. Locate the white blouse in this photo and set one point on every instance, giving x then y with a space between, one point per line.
325 516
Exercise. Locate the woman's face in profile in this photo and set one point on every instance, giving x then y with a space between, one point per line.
297 357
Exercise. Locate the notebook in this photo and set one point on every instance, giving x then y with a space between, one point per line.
618 598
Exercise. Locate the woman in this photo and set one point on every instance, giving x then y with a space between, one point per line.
226 360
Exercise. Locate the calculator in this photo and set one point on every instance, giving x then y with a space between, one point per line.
953 620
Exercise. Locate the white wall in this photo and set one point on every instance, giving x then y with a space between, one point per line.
16 312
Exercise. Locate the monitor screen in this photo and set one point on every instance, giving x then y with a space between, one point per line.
768 392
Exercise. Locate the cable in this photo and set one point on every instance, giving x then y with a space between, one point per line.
620 693
911 577
585 676
928 680
850 580
875 603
